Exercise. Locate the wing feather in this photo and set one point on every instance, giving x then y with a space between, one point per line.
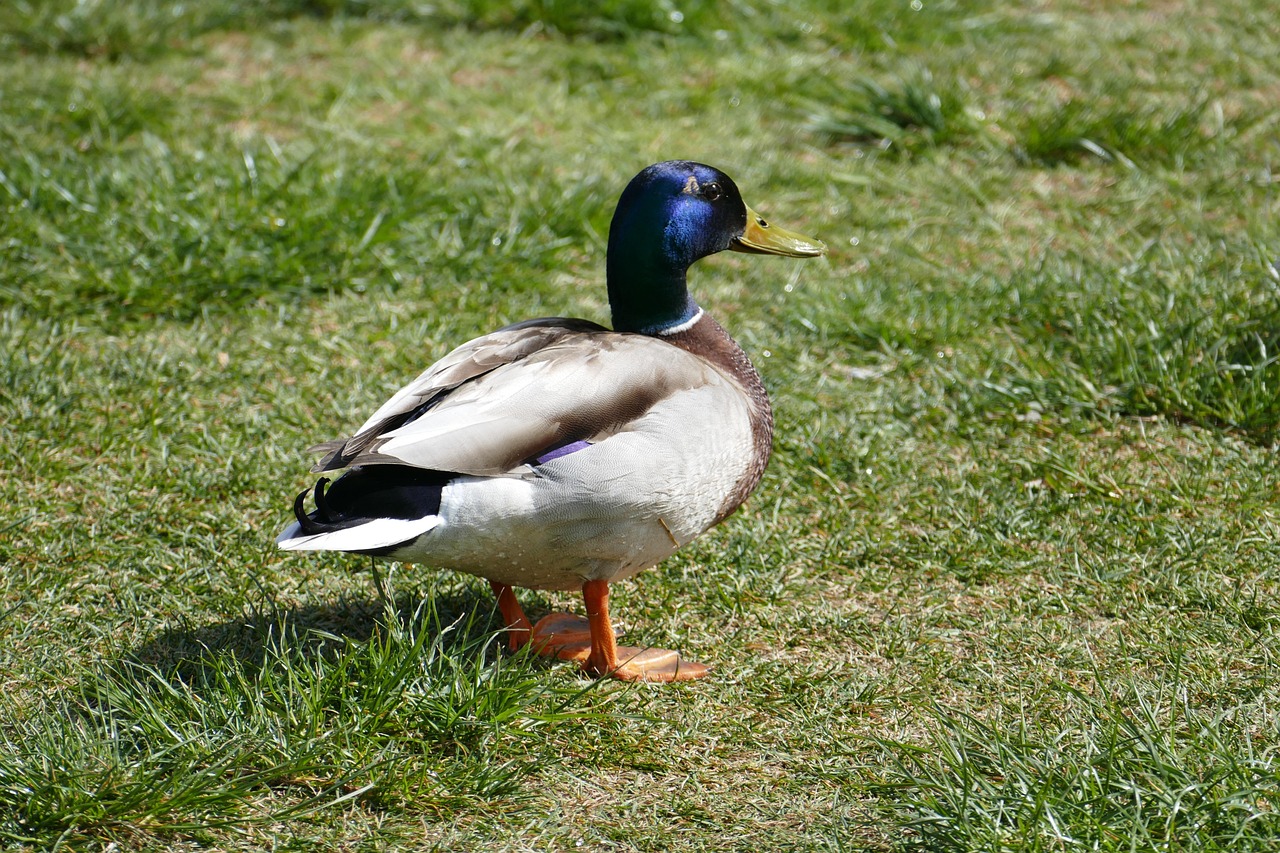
469 361
500 400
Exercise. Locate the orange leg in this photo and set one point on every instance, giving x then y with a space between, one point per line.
513 617
593 643
604 646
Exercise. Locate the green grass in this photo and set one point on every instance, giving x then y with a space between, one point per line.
1010 582
419 712
1154 772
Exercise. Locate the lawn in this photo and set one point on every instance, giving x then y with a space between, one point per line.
1011 582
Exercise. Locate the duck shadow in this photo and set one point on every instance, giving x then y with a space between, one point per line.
186 652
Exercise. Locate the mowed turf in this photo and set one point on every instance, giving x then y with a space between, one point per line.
1010 582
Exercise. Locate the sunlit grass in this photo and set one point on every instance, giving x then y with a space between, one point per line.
418 715
1010 581
1122 772
909 112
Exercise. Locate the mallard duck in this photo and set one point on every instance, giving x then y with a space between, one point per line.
557 454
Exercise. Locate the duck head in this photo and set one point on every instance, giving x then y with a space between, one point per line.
670 215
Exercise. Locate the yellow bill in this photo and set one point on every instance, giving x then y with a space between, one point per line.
762 238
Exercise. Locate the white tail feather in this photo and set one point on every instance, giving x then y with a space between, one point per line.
377 533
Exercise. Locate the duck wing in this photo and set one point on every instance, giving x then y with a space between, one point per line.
501 400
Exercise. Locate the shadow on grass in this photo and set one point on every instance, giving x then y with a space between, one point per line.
408 707
320 630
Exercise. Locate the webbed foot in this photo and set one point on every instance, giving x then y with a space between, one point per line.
591 642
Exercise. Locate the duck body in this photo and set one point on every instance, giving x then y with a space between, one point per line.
572 453
558 454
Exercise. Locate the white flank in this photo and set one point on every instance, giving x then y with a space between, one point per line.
378 533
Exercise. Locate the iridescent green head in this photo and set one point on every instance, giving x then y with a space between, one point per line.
669 216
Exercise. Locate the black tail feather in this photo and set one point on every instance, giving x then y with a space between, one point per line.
320 521
369 492
322 507
300 512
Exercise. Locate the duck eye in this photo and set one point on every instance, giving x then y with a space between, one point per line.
712 191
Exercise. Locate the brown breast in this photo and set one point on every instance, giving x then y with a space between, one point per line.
707 339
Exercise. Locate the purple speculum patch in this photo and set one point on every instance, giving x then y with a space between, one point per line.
563 450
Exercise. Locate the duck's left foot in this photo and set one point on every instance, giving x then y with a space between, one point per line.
636 664
591 642
562 635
